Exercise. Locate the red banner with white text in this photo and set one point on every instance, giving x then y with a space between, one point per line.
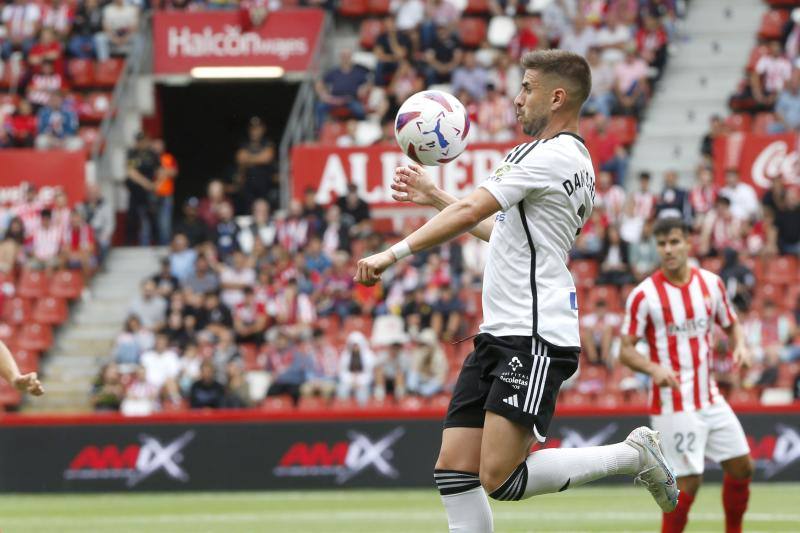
184 40
329 170
758 158
58 168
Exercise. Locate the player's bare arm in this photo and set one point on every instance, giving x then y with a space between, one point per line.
10 372
630 357
741 353
452 221
412 184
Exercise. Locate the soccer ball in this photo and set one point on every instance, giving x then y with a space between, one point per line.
432 127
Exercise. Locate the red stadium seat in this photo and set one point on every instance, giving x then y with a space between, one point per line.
50 310
584 271
277 403
312 404
249 353
369 32
8 103
353 8
8 333
37 337
17 310
624 292
477 7
772 24
9 396
378 7
330 131
94 107
472 31
107 73
81 73
712 264
607 293
66 284
27 360
762 122
89 135
739 122
782 270
33 284
624 128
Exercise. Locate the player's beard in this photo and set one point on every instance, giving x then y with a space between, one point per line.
535 125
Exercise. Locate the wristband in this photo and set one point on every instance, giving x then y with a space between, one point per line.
401 250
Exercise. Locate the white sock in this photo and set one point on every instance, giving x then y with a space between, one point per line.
467 506
556 469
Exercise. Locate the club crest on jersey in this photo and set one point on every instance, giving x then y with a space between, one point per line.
515 364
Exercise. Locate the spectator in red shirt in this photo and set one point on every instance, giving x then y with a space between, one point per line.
651 41
721 229
249 319
78 245
528 37
47 49
610 154
703 195
23 126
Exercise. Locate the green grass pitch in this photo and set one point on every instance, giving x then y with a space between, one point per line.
773 507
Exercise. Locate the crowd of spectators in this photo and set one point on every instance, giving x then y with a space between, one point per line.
36 41
42 232
419 47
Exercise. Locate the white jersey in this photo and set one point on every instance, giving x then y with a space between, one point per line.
546 192
677 323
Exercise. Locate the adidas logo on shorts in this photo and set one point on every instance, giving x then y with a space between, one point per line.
512 400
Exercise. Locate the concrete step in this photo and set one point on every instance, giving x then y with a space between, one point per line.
93 347
90 332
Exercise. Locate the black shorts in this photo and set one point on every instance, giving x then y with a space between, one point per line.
515 377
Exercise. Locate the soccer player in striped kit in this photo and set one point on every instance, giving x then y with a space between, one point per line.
675 310
529 210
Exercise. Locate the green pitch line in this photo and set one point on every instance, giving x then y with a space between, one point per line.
773 508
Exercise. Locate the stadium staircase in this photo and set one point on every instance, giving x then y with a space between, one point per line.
85 342
717 38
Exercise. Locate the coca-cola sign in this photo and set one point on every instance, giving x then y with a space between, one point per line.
184 40
760 159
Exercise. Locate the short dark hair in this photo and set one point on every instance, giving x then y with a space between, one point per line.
567 66
665 225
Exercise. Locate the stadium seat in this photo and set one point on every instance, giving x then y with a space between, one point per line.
38 337
249 353
762 122
607 293
369 32
312 404
744 396
330 131
27 360
353 8
782 270
378 7
88 135
107 73
8 103
624 128
712 264
94 107
81 73
772 24
8 333
584 271
66 284
477 7
624 292
17 310
33 284
276 403
9 396
50 310
739 122
472 31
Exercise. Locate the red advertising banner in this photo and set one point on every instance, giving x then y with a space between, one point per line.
184 40
329 170
59 169
758 158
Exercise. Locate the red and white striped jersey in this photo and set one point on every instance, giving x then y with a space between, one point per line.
677 323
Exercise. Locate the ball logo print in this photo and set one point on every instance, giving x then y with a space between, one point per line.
134 463
432 127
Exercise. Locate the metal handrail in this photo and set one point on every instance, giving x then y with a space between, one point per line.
300 125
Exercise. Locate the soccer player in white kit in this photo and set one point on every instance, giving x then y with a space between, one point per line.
675 311
529 342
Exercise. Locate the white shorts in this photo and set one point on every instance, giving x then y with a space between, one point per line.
688 437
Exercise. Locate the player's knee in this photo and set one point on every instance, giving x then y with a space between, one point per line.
740 468
690 484
503 484
492 479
